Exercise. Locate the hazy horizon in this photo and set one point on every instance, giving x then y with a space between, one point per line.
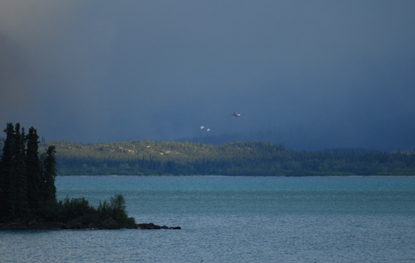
321 74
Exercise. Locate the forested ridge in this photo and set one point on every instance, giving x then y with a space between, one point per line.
239 158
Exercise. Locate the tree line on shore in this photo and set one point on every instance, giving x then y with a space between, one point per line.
27 179
239 158
28 192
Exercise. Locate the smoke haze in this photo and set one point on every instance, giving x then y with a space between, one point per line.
319 74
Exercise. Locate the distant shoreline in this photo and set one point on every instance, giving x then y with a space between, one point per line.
277 176
161 158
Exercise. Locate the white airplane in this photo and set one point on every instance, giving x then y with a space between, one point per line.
237 114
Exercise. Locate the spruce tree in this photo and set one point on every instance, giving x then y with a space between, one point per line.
49 174
33 171
22 202
27 184
8 184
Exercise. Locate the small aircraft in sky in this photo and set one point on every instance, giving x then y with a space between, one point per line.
237 114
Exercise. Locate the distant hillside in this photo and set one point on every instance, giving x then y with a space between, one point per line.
239 158
305 138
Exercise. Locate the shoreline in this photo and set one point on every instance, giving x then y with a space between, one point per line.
77 225
279 176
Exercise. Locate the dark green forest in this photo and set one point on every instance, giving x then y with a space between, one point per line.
28 192
239 158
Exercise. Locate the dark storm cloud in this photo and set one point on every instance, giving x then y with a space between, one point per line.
321 73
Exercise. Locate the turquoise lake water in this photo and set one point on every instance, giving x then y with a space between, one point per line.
235 219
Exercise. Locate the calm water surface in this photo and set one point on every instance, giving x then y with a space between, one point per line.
235 219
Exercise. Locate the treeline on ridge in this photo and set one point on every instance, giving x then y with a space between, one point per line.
239 158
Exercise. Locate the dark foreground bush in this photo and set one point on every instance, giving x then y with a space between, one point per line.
78 212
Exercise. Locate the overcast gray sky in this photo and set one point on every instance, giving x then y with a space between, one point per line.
322 73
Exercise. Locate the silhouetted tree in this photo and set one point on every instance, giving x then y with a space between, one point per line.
49 174
28 191
22 202
8 185
33 171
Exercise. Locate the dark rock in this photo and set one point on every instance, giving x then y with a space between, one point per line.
110 223
33 222
76 224
150 226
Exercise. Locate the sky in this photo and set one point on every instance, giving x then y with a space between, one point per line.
318 74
